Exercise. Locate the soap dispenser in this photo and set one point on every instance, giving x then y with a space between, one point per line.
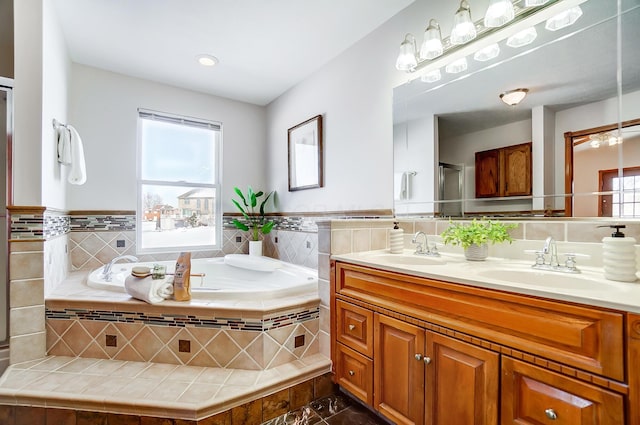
619 256
396 239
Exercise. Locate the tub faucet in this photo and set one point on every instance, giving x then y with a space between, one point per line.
424 249
106 270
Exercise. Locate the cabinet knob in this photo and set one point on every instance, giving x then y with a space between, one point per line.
427 360
352 327
551 414
351 373
418 357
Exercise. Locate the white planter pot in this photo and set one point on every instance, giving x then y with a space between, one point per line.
255 247
477 253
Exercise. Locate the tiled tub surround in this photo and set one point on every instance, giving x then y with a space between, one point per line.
88 322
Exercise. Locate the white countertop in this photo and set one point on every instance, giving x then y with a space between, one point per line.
588 287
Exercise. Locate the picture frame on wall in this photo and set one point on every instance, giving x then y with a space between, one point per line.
305 155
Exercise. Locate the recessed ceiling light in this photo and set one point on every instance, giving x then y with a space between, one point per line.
207 60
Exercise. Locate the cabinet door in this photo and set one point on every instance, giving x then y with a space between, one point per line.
488 173
398 370
533 396
462 383
517 170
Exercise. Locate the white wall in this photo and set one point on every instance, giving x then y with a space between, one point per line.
56 74
354 93
103 107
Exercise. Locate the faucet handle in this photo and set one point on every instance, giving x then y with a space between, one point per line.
539 256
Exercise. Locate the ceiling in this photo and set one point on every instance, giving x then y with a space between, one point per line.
264 47
561 70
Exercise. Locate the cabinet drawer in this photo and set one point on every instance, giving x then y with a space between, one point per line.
355 327
532 395
586 338
354 372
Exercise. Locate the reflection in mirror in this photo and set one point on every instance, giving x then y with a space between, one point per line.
592 158
572 77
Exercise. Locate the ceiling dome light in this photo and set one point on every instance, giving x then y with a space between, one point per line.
564 19
407 58
529 3
207 60
488 53
431 76
522 38
513 97
432 43
456 66
499 13
464 29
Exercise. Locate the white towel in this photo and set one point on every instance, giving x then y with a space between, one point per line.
78 172
63 139
148 289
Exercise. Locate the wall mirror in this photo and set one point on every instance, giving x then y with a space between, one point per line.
305 154
580 77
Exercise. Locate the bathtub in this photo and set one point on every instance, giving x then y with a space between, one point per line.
234 276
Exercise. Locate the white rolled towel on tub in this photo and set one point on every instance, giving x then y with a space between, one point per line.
148 289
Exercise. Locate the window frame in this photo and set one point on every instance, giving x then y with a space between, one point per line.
146 114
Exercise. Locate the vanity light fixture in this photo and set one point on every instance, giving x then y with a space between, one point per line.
564 19
407 58
488 53
207 60
431 76
522 38
499 13
530 3
432 43
464 30
456 66
513 97
608 138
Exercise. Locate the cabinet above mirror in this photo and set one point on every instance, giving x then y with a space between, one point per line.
580 77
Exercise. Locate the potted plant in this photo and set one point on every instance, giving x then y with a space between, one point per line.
474 236
254 222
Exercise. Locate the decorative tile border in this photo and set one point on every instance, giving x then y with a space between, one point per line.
179 320
102 222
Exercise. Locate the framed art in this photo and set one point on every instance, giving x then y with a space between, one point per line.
305 155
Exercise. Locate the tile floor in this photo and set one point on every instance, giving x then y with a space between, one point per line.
337 409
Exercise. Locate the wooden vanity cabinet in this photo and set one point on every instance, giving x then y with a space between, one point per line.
504 171
421 351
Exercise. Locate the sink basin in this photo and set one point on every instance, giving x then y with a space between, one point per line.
409 260
547 279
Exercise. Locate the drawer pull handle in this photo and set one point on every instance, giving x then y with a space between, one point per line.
418 357
351 373
551 414
352 327
427 360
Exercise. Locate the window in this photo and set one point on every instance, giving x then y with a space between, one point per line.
179 171
625 200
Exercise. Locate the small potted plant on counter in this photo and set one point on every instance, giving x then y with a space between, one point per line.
254 222
474 237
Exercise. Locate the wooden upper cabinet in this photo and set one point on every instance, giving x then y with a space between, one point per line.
504 171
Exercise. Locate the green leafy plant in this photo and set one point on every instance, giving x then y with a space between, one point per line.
477 232
255 222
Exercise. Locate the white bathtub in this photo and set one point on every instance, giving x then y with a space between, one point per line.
235 276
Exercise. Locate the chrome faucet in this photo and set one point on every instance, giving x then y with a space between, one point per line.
106 270
550 248
424 249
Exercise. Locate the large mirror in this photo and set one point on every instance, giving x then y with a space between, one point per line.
581 78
